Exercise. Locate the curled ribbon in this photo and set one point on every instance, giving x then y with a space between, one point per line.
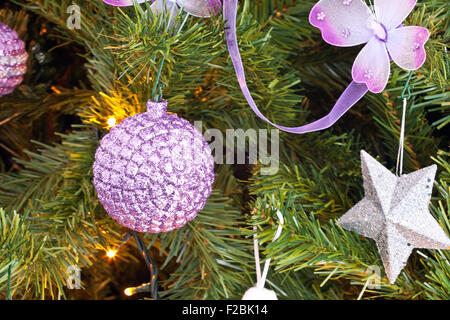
353 93
381 29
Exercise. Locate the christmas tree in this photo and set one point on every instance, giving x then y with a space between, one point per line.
92 65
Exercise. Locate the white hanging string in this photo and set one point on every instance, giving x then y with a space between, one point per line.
401 147
256 251
261 279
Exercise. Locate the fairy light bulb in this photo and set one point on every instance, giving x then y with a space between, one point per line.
111 253
128 291
111 122
146 287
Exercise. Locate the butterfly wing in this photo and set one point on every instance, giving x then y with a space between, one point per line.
407 46
169 8
343 23
372 66
391 13
123 3
200 8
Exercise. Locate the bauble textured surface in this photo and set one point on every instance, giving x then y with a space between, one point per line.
13 60
154 171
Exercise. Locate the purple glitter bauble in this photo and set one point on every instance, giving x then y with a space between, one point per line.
13 60
154 171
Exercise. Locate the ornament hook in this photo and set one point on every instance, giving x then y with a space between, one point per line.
401 147
157 86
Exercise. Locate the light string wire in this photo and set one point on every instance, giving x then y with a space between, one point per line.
406 94
150 265
261 279
151 286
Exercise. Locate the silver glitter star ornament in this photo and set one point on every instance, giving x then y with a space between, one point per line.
394 213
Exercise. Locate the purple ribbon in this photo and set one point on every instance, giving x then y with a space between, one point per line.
351 95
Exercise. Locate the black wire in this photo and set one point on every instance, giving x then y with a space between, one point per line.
153 284
150 265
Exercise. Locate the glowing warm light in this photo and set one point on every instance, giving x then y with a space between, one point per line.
128 291
145 287
111 122
55 90
111 253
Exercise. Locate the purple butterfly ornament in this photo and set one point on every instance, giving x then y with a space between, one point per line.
346 23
